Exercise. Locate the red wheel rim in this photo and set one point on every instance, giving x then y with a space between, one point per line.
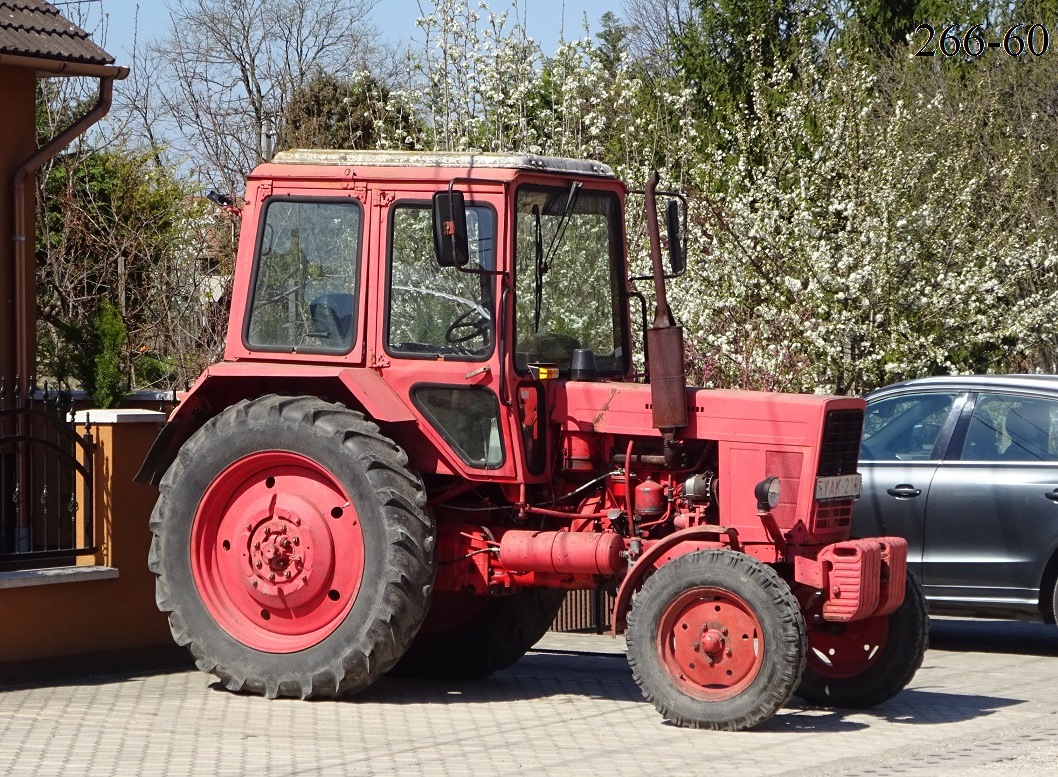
710 643
842 650
277 552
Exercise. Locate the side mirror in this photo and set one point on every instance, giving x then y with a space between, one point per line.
677 257
450 229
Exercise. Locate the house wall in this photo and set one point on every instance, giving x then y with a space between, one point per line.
17 143
100 610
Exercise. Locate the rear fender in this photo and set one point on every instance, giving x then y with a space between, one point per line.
224 384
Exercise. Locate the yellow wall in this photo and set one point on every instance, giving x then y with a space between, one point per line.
68 619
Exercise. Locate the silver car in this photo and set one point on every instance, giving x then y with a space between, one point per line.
966 468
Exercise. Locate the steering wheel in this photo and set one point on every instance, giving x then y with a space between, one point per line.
465 328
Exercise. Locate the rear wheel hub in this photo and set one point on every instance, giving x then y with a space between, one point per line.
265 542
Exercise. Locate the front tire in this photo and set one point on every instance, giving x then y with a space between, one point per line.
292 553
861 664
716 640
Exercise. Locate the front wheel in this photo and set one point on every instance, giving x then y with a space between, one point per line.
716 640
292 553
861 664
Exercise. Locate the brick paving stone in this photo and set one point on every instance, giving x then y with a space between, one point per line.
983 703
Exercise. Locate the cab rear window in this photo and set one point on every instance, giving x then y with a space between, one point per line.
304 289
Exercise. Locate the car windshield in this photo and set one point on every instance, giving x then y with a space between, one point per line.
569 277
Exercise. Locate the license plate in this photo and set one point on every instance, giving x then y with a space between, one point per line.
838 486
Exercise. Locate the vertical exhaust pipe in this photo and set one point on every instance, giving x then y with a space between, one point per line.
665 365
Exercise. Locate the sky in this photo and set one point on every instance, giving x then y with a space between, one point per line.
547 20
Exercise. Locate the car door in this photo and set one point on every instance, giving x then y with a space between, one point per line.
903 438
992 515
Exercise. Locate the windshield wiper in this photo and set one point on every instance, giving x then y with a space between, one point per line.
543 261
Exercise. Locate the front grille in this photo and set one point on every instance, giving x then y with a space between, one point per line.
841 442
832 516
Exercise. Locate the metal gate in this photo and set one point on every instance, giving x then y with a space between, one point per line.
45 481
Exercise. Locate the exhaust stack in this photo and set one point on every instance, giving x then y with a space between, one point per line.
665 366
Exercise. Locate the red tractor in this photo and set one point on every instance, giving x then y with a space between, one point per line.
429 425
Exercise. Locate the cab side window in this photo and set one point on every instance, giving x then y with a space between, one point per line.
433 309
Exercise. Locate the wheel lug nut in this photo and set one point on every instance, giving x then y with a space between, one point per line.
257 546
259 564
272 576
297 540
254 584
297 522
729 653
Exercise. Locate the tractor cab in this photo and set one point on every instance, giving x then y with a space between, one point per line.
488 276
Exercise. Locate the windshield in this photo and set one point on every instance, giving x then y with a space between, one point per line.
568 278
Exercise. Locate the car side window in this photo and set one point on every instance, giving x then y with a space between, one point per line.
1008 427
904 428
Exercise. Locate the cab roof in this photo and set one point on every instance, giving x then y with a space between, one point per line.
453 159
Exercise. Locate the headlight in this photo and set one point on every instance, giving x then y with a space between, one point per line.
767 493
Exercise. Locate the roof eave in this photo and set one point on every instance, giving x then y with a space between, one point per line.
44 67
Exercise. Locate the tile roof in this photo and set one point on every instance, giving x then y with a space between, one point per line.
34 28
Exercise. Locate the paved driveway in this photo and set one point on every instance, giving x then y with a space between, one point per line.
984 703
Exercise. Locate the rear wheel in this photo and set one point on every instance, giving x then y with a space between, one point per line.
292 553
716 640
468 638
861 664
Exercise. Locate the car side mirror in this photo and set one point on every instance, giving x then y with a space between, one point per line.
677 256
450 229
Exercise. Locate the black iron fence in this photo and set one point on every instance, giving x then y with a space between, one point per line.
45 480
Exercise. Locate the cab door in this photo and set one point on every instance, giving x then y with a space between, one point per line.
436 334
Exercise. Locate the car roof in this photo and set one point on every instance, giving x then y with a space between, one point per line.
1023 382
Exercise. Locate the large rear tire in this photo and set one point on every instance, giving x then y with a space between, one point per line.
292 552
468 638
861 664
716 640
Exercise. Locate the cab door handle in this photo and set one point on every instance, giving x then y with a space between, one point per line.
907 491
1053 496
